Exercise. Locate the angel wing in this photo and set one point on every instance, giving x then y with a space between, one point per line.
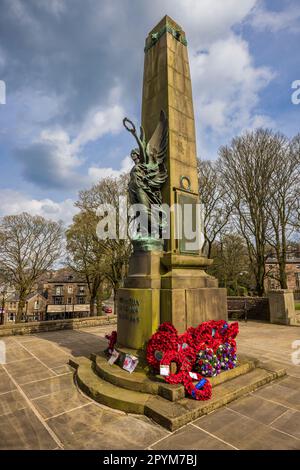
157 145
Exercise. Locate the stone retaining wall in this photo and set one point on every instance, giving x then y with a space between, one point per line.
257 307
53 325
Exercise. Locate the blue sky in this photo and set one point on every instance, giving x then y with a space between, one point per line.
73 69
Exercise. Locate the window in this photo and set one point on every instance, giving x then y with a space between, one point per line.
70 289
81 290
36 305
81 300
57 300
58 290
69 301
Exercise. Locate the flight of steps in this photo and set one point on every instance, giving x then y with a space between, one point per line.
166 404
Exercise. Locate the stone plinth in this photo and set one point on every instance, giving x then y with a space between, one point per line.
165 287
138 303
189 295
189 307
144 270
282 307
138 313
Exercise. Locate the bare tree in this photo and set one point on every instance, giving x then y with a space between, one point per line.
231 263
282 205
295 150
116 251
86 255
216 204
5 292
247 167
29 246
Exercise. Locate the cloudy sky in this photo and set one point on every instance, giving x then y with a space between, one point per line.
73 69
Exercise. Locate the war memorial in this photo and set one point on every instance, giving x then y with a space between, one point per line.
169 302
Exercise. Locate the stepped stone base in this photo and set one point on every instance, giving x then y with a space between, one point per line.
166 287
166 404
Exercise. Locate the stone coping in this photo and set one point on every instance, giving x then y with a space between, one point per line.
10 329
171 260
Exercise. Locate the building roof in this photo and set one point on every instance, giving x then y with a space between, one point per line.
288 261
65 275
15 297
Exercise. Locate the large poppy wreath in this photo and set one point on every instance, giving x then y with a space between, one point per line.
166 347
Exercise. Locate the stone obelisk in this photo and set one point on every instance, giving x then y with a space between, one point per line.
167 86
170 285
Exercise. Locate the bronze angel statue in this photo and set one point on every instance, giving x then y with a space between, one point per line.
149 171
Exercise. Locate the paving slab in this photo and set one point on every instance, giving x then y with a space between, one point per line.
28 370
23 430
62 369
291 382
6 385
191 438
257 408
11 402
280 394
60 402
15 352
104 430
289 423
245 433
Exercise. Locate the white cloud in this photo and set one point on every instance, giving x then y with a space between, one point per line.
227 85
64 156
15 202
17 9
28 110
225 79
66 151
56 7
206 21
54 158
262 120
97 173
99 122
274 21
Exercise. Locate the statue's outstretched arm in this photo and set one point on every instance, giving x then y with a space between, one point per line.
130 127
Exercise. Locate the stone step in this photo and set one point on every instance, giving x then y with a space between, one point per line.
106 393
174 415
141 382
138 381
171 415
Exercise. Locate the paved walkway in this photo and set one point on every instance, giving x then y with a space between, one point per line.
41 408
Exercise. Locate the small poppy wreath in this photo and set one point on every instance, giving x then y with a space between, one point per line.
183 365
202 390
159 343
